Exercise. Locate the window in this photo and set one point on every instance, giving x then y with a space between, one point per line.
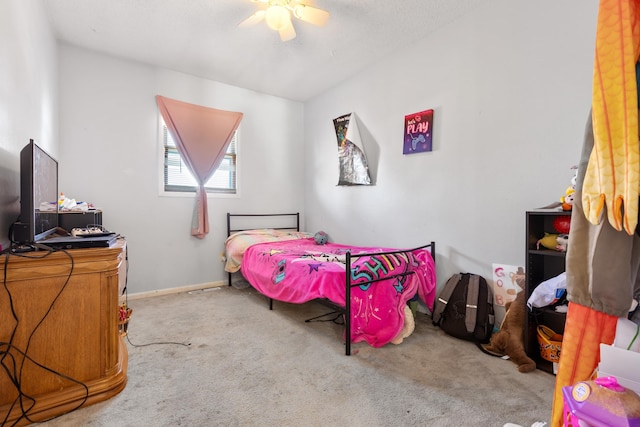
178 178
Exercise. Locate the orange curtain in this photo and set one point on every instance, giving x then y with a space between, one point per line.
202 136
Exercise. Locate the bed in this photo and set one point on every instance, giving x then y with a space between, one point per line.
287 265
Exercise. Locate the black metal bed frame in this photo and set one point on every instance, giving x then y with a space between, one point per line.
235 230
349 258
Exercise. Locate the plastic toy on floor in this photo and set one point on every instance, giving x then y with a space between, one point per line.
600 403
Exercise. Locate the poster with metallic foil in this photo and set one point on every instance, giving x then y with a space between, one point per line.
418 129
354 169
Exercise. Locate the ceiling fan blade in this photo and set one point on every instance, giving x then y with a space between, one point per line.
310 14
252 20
287 33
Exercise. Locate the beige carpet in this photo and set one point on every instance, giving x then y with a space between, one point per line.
247 366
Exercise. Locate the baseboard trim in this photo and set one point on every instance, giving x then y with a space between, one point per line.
178 290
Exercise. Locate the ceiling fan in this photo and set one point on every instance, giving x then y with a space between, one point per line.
277 15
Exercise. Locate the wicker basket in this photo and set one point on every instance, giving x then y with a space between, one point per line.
550 343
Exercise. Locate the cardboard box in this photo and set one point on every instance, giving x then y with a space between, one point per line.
622 364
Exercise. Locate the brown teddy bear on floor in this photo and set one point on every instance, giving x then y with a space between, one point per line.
509 340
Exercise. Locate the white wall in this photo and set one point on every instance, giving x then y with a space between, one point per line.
109 155
28 96
511 88
510 85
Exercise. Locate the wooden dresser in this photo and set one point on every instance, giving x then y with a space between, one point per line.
66 304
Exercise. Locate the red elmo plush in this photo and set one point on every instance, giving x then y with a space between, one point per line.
562 223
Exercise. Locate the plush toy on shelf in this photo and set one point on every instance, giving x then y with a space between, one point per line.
567 199
562 241
562 224
554 241
569 194
549 241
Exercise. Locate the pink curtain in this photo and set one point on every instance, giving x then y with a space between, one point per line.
202 136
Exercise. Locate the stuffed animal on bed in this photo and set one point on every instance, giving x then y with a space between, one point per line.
509 340
321 238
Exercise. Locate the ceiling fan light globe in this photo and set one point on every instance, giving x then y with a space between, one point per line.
277 17
298 11
311 15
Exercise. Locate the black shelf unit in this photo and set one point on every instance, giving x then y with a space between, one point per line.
541 264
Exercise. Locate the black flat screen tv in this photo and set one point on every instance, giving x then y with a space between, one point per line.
38 193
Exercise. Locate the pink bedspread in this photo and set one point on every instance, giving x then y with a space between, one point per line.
298 271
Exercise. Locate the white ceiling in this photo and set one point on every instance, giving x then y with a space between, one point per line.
201 37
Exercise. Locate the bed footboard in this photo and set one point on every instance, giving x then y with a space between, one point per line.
349 285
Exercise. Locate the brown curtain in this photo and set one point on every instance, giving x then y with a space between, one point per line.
202 136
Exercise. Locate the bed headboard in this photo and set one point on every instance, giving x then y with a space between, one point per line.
243 222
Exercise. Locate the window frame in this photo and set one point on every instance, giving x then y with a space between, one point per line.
211 192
